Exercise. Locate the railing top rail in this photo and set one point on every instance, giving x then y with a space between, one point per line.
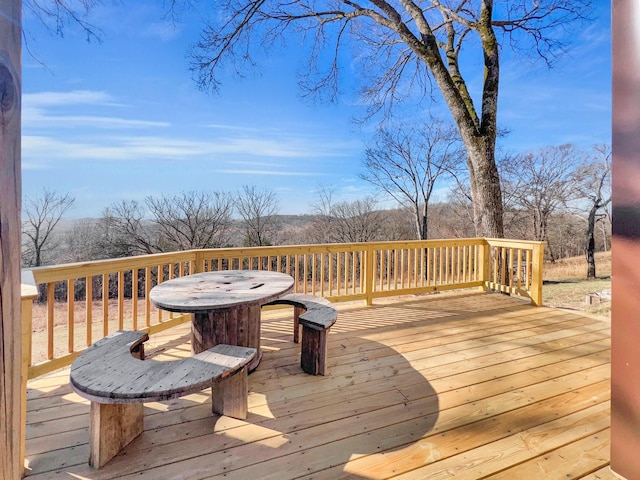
503 242
95 267
64 271
28 287
282 249
429 243
98 267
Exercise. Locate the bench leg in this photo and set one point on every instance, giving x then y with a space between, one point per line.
314 351
229 395
296 323
113 426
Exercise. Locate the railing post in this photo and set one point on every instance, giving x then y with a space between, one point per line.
537 261
368 275
199 261
484 264
29 293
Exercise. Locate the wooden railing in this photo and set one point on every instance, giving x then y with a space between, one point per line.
81 302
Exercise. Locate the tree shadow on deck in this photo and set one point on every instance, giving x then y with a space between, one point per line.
297 424
356 421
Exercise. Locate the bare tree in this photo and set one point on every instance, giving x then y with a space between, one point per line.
180 222
127 231
347 221
406 162
43 214
258 209
398 225
593 181
82 242
566 234
191 220
401 47
461 212
540 184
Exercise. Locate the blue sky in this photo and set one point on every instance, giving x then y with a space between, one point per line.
122 119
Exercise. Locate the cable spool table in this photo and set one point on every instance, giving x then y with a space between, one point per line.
225 305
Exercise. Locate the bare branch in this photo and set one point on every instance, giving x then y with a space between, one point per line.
406 162
58 15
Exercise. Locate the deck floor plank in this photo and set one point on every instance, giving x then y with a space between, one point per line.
588 454
418 387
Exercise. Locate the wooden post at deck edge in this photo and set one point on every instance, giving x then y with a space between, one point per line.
625 313
368 275
536 276
29 292
11 427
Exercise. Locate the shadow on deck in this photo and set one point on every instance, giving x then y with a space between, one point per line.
467 385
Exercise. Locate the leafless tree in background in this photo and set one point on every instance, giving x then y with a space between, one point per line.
398 225
43 214
346 221
593 181
541 184
126 230
258 209
404 49
168 223
407 161
191 220
83 241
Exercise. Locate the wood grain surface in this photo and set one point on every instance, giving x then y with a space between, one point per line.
207 291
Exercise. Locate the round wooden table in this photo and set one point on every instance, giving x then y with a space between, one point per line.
225 305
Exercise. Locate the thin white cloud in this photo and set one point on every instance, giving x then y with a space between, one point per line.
107 149
74 97
279 173
256 164
118 148
42 110
237 128
38 118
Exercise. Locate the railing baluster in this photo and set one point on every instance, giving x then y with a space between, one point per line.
89 309
50 318
346 272
121 300
528 271
147 302
313 273
323 273
134 296
70 314
105 304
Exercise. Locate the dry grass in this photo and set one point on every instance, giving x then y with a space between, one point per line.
565 284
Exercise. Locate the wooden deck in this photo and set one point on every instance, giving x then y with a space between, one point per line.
467 385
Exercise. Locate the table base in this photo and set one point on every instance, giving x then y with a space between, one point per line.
239 325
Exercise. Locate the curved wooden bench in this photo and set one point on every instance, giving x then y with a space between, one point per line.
113 375
316 316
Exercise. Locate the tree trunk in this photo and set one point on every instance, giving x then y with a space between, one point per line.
424 234
418 224
485 189
591 243
11 427
478 133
